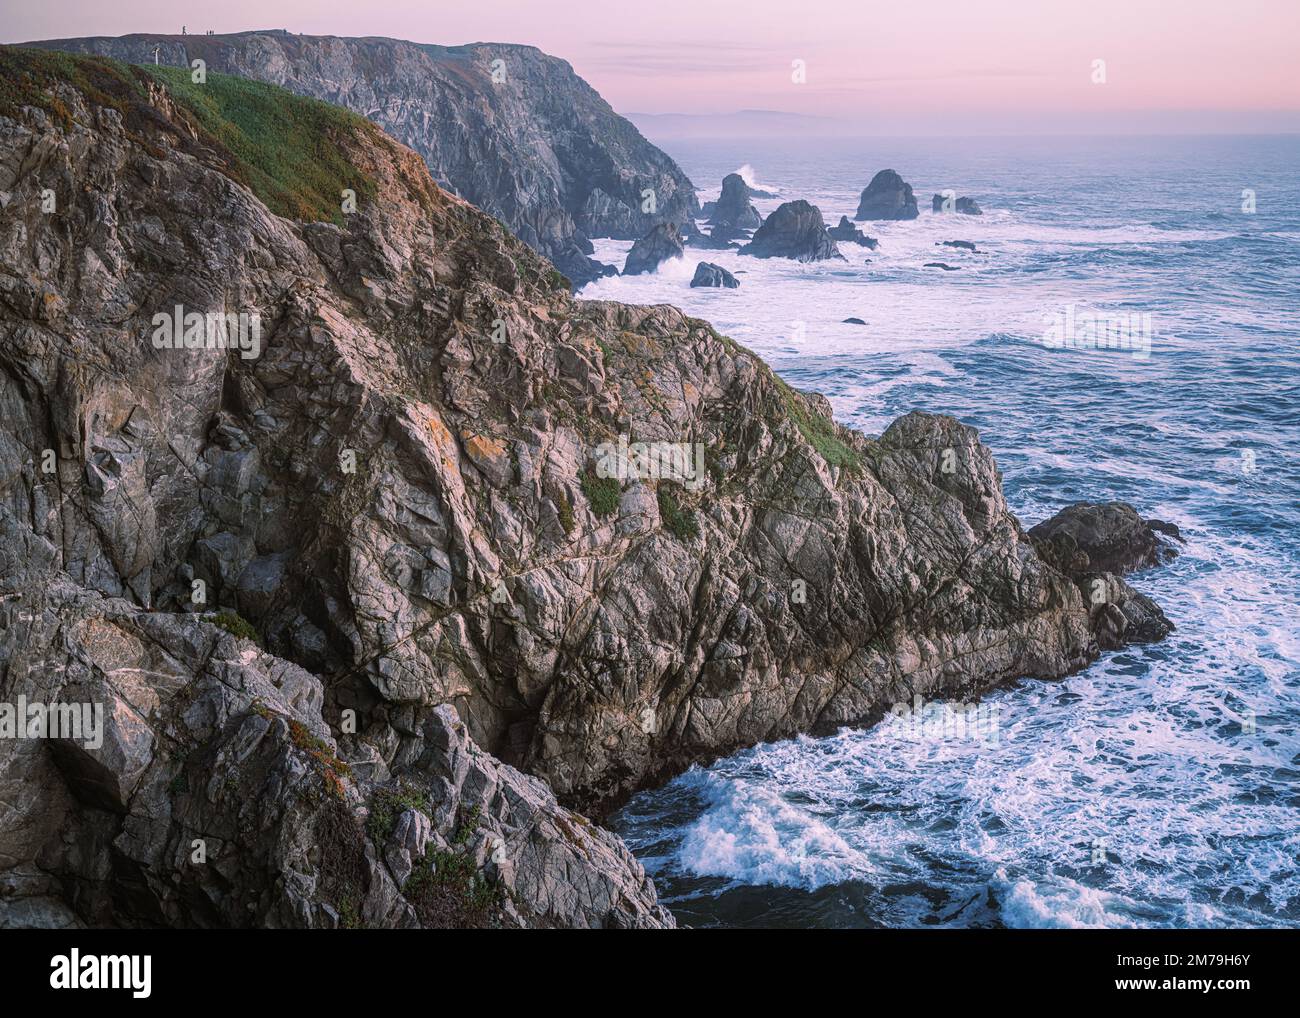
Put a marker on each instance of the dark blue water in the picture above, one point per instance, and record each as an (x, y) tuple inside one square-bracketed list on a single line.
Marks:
[(1159, 787)]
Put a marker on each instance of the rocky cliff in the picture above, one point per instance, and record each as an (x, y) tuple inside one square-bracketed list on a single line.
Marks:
[(509, 128), (145, 484), (430, 503)]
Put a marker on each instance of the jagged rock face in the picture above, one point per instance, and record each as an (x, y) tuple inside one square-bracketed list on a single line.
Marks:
[(966, 206), (795, 230), (403, 491), (171, 465), (888, 196), (708, 274), (733, 207), (218, 798), (849, 233), (652, 250), (526, 140)]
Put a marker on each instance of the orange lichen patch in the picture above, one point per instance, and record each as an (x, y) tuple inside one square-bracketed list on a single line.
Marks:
[(443, 442), (490, 455), (329, 766), (639, 345), (484, 448)]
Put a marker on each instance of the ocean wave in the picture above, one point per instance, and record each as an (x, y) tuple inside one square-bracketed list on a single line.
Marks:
[(750, 177)]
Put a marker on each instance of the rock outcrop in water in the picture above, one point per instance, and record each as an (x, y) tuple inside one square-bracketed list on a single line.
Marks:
[(656, 247), (309, 574), (1111, 536), (848, 233), (733, 207), (888, 196), (965, 206), (708, 274), (720, 238), (795, 230), (508, 128), (1095, 544)]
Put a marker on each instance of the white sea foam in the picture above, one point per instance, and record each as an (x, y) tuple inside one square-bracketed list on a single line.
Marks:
[(751, 834), (1136, 762), (904, 303), (748, 175)]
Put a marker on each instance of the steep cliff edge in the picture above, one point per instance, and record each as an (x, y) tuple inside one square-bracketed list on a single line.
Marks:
[(403, 485), (508, 128)]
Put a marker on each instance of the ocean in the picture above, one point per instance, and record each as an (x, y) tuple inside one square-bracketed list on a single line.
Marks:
[(1158, 788)]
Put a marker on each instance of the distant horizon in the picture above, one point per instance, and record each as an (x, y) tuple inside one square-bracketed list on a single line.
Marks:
[(1006, 68), (846, 131)]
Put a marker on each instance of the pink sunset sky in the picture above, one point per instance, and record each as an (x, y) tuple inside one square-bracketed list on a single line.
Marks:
[(943, 66)]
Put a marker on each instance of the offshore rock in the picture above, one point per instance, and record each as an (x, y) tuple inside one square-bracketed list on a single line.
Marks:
[(888, 196), (795, 230), (849, 233), (965, 206), (652, 250), (733, 206), (708, 274)]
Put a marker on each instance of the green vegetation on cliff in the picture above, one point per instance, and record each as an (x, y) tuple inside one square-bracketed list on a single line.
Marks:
[(291, 149), (288, 150)]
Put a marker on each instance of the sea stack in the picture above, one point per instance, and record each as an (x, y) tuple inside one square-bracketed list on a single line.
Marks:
[(652, 250), (708, 274), (733, 207), (888, 196), (849, 233), (795, 230), (966, 206)]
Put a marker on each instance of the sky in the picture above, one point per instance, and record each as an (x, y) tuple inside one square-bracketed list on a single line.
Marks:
[(940, 67)]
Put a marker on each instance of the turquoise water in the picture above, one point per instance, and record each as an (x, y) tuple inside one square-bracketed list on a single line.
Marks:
[(1159, 787)]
